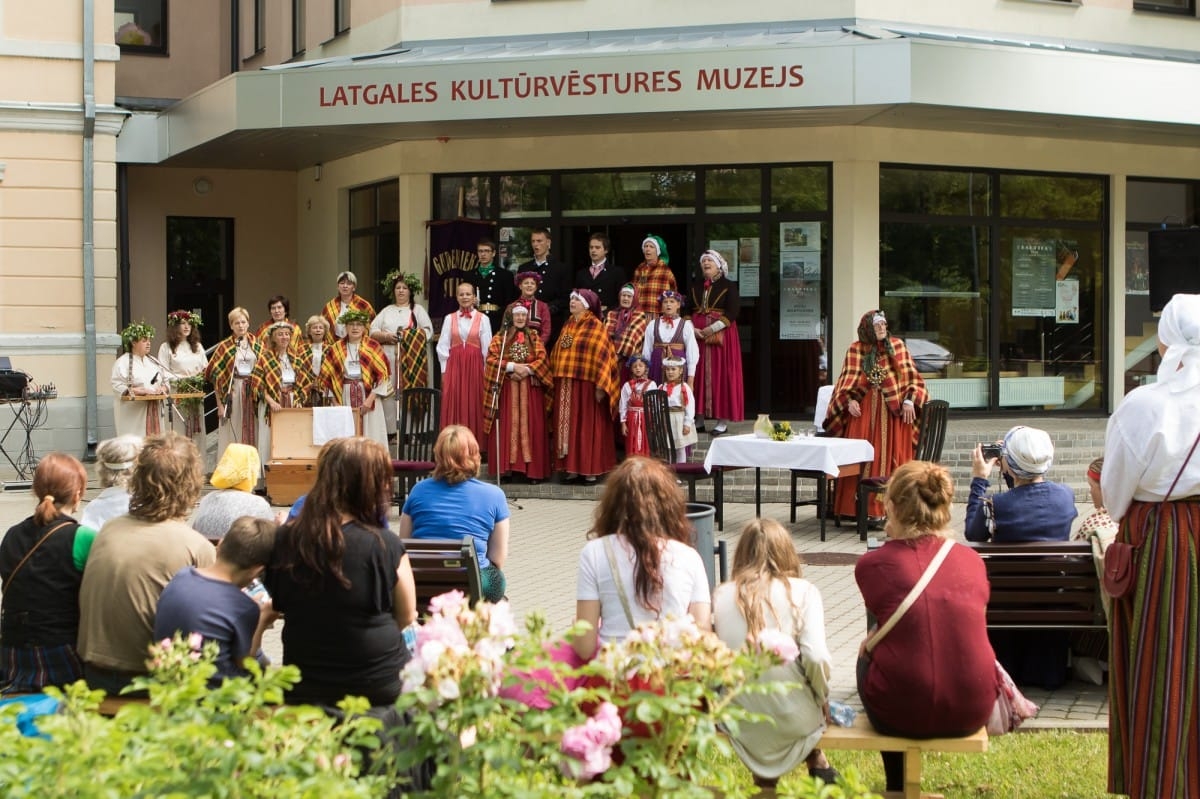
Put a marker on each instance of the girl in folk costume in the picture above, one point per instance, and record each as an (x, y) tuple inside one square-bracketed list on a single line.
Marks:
[(518, 383), (403, 329), (228, 372), (718, 381), (682, 406), (135, 374), (528, 284), (279, 310), (346, 300), (877, 398), (670, 336), (281, 379), (633, 411), (466, 336), (586, 392), (183, 356), (355, 373), (653, 276), (626, 328), (312, 352)]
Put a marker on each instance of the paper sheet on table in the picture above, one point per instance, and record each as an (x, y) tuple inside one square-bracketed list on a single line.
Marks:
[(331, 423)]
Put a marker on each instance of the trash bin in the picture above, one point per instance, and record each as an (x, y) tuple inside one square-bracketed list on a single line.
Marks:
[(702, 518)]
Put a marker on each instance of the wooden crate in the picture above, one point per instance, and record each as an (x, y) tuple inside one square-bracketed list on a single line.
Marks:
[(292, 469)]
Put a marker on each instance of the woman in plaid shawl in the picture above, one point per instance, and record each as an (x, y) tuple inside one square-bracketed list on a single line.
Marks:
[(520, 397), (586, 392), (877, 398), (228, 372), (281, 379), (626, 328), (355, 372), (346, 300), (403, 329), (653, 276)]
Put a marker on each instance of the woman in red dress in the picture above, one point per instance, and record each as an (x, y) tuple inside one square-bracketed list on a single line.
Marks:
[(718, 385), (466, 336), (518, 381)]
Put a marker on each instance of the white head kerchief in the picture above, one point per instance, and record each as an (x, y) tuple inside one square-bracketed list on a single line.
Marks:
[(1179, 330), (1028, 451), (717, 259)]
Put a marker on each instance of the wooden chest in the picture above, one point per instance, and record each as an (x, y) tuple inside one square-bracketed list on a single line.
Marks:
[(292, 469)]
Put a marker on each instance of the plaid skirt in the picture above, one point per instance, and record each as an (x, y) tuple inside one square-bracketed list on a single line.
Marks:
[(27, 669)]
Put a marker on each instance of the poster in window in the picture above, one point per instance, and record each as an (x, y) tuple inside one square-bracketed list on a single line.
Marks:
[(799, 280), (729, 251), (1033, 283), (1066, 305), (1137, 269), (748, 266)]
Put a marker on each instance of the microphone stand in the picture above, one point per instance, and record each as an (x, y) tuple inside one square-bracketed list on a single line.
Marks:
[(164, 369)]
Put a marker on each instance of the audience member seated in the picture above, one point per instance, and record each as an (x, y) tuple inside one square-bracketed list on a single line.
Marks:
[(41, 566), (115, 458), (454, 503), (1089, 648), (212, 601), (133, 559), (639, 565), (342, 582), (768, 593), (933, 674), (235, 477), (1032, 509)]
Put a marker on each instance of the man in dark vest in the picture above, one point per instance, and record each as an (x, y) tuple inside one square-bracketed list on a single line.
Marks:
[(493, 285), (555, 288)]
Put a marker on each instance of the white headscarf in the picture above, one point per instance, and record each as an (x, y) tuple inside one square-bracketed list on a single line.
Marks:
[(718, 260), (1179, 330), (1028, 451)]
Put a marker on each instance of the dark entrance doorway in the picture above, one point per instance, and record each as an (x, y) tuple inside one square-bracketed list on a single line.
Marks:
[(627, 238)]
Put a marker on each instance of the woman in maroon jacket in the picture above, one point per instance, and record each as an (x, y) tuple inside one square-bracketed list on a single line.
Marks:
[(933, 675)]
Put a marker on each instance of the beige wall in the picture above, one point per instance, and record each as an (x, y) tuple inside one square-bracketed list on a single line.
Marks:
[(198, 53), (265, 237)]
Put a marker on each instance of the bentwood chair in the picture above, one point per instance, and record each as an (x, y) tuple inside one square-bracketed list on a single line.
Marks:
[(416, 431), (662, 447), (930, 439)]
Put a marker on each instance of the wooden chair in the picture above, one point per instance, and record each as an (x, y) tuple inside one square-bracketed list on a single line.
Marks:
[(662, 447), (416, 431), (929, 448), (441, 565)]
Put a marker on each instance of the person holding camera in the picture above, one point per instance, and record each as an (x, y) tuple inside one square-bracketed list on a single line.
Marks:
[(1032, 509)]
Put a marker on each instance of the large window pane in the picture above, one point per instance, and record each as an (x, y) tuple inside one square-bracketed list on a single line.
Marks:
[(1052, 197), (601, 193), (524, 195), (141, 25), (799, 188), (934, 283), (467, 197), (733, 190), (374, 236), (931, 192)]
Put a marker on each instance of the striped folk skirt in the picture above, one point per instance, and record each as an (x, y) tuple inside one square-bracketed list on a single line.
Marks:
[(1154, 676)]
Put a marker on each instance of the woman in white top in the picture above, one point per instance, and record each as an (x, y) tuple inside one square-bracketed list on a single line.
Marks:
[(135, 374), (768, 593), (404, 330), (183, 356), (638, 567)]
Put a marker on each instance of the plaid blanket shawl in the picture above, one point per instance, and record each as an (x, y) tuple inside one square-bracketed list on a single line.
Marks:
[(894, 376), (626, 330), (412, 358), (267, 379), (651, 280), (219, 372), (584, 352), (333, 309), (522, 347), (370, 358)]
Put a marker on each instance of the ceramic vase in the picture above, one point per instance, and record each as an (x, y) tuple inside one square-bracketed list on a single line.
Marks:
[(763, 427)]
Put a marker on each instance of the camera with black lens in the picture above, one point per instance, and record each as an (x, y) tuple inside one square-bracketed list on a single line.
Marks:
[(991, 451)]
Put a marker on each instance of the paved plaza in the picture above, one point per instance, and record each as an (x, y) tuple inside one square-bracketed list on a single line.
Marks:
[(547, 535)]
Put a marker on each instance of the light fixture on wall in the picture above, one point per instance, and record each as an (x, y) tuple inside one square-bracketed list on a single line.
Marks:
[(317, 173), (202, 186)]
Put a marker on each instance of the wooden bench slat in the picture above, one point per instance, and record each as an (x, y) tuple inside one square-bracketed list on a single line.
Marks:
[(863, 737)]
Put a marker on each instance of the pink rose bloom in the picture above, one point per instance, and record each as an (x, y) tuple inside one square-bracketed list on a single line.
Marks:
[(591, 743), (780, 644), (447, 604)]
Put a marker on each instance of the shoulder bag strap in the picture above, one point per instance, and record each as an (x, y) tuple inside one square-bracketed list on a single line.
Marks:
[(610, 550), (33, 549), (1175, 482), (913, 595)]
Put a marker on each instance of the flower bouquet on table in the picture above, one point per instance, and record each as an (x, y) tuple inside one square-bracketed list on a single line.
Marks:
[(643, 718), (781, 431), (188, 385)]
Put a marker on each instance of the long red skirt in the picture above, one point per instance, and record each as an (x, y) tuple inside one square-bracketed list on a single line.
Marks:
[(462, 391), (583, 430), (523, 446), (893, 441), (1154, 674), (720, 390)]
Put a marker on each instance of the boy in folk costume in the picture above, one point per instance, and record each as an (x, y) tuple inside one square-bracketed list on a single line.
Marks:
[(682, 406), (670, 336), (633, 412)]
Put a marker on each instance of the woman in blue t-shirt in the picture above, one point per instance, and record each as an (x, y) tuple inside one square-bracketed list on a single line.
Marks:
[(453, 503)]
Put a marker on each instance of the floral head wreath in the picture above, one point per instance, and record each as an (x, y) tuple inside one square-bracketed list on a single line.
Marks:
[(136, 331), (354, 315), (179, 317), (407, 278)]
